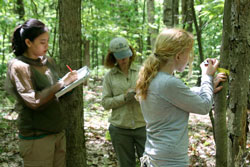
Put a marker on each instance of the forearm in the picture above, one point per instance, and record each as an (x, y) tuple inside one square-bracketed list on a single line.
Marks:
[(37, 99), (113, 102)]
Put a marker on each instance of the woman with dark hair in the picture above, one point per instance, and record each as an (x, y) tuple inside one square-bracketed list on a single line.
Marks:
[(127, 126), (33, 79)]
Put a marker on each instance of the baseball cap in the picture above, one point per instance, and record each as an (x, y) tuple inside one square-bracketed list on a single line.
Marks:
[(120, 48)]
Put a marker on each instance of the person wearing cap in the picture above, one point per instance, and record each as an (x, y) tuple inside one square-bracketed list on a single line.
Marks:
[(127, 125)]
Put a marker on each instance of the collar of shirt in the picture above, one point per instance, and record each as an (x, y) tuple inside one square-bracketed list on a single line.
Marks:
[(41, 61), (116, 69)]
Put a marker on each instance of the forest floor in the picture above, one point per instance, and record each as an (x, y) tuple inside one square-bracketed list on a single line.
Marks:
[(100, 152)]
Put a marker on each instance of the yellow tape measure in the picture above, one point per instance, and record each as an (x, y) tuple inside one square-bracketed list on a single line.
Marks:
[(223, 70)]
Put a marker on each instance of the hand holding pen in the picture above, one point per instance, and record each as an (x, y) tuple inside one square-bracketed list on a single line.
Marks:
[(69, 68), (70, 76)]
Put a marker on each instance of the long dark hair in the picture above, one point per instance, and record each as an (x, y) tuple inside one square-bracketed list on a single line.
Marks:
[(30, 29)]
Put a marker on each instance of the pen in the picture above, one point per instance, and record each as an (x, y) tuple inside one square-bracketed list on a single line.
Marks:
[(69, 68)]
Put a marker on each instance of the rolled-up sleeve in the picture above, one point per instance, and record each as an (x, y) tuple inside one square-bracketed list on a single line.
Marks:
[(20, 76)]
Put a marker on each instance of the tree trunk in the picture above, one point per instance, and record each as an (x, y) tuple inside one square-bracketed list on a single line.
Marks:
[(3, 49), (139, 32), (199, 39), (187, 19), (70, 53), (239, 54), (176, 12), (142, 32), (55, 34), (93, 53), (220, 123), (151, 21), (171, 12), (96, 54), (198, 33), (168, 18), (87, 53)]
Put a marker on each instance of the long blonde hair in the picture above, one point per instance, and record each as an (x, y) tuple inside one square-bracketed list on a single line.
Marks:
[(169, 42)]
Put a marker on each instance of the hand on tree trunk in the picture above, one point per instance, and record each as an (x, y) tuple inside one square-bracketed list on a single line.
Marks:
[(220, 77)]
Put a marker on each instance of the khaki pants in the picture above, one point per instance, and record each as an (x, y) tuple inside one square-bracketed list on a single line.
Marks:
[(48, 151)]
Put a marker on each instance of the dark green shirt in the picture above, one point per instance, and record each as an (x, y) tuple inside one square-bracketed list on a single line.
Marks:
[(31, 82)]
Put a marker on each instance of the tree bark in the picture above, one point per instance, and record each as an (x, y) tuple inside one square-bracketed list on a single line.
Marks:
[(141, 46), (176, 12), (199, 39), (3, 50), (198, 33), (220, 127), (93, 52), (151, 21), (96, 54), (55, 34), (87, 52), (70, 53), (139, 31), (187, 19), (239, 54), (171, 12), (168, 18)]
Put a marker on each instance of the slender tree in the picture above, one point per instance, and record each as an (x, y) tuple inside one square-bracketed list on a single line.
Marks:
[(198, 30), (151, 21), (187, 19), (220, 123), (3, 50), (171, 12), (175, 12), (168, 18), (53, 52), (198, 33), (87, 52), (70, 53)]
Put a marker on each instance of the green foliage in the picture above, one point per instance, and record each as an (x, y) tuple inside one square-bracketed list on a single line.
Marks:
[(102, 20), (211, 15), (107, 136)]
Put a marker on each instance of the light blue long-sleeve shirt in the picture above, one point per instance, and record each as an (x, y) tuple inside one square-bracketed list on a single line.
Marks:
[(166, 112)]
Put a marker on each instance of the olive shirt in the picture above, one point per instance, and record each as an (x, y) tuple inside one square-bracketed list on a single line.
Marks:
[(30, 81), (166, 111), (124, 114)]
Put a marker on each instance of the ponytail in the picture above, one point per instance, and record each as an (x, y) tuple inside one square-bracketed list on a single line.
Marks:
[(149, 70), (18, 44)]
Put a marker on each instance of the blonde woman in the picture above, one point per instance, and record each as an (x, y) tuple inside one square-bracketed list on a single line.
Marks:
[(166, 101), (127, 126)]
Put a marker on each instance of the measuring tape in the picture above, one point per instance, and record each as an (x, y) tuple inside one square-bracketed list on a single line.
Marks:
[(223, 70)]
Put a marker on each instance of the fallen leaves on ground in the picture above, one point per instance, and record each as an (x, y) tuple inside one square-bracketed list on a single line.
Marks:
[(100, 152)]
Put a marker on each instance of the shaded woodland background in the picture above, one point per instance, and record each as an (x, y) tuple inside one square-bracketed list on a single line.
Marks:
[(80, 31)]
